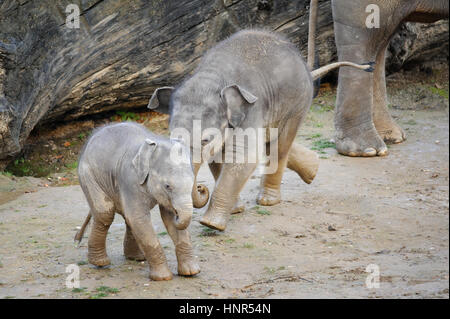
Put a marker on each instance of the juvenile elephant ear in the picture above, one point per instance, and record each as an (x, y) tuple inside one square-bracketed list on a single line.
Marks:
[(160, 99), (141, 161), (236, 100)]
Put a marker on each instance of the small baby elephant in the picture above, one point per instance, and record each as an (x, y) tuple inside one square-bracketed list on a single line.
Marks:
[(125, 169)]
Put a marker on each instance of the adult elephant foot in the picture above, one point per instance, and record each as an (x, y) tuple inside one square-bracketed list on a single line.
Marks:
[(269, 197), (360, 141), (388, 130), (214, 219)]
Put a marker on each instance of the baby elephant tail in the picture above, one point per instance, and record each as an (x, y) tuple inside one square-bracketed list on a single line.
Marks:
[(80, 233), (368, 67)]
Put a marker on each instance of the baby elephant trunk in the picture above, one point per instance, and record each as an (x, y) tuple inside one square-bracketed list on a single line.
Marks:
[(183, 213)]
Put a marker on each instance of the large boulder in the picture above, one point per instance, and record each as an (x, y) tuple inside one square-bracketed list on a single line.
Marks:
[(124, 49)]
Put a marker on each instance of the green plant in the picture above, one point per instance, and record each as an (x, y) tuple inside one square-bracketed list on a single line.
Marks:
[(322, 144), (261, 211), (127, 116), (441, 92), (163, 233)]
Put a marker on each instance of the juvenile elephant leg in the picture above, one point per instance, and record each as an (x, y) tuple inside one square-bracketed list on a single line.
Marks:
[(131, 248), (270, 183), (388, 130), (187, 266), (97, 239), (216, 168), (304, 162), (226, 193)]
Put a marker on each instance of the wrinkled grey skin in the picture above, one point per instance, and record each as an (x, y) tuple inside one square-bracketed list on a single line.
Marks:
[(252, 79), (126, 169), (362, 119)]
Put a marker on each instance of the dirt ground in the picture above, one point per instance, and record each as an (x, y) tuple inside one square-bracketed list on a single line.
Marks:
[(392, 212)]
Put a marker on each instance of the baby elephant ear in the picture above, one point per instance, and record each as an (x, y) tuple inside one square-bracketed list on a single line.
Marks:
[(141, 161), (236, 100), (160, 99)]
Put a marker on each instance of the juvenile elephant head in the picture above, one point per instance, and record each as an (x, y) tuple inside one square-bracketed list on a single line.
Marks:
[(164, 168), (202, 110)]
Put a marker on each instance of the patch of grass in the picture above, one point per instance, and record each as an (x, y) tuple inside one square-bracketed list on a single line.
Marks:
[(127, 116), (6, 173), (206, 232), (441, 92), (248, 246), (411, 122), (272, 270), (81, 136), (9, 297), (230, 240), (42, 206), (322, 144), (107, 289), (103, 291), (322, 108), (261, 211), (82, 262), (78, 290), (318, 125), (72, 165), (315, 136), (163, 233)]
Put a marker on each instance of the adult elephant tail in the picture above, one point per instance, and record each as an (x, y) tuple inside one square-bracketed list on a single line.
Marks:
[(313, 59)]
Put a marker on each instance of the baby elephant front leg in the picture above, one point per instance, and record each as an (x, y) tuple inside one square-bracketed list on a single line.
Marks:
[(187, 265), (142, 229)]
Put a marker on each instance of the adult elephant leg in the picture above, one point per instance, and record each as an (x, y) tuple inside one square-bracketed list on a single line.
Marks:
[(356, 134), (388, 130), (131, 249), (216, 168), (226, 193), (187, 265)]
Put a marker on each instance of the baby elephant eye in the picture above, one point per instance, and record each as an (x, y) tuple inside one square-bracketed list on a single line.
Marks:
[(167, 186)]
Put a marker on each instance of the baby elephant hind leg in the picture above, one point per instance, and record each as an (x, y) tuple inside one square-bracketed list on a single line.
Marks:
[(102, 210), (187, 265), (97, 239), (131, 248), (304, 162)]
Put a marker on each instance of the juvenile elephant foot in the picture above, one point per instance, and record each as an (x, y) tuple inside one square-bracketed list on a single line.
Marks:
[(269, 197), (390, 131), (138, 256), (214, 220), (360, 141), (160, 273), (99, 261), (239, 207)]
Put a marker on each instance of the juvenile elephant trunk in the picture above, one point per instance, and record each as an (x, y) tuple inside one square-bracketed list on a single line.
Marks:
[(200, 193)]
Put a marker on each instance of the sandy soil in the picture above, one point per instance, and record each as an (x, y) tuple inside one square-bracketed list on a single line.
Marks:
[(392, 212)]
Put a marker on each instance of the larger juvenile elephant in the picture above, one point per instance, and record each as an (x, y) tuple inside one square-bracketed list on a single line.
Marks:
[(362, 120), (252, 80)]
